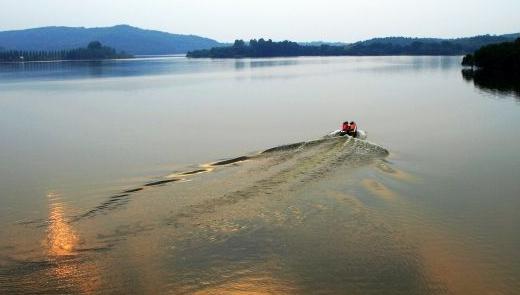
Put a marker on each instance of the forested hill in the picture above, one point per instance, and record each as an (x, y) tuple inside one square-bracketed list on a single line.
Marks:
[(378, 46), (443, 46), (122, 37)]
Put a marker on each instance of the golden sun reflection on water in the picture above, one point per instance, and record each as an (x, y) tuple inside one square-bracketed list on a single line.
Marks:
[(250, 285), (69, 271), (61, 238)]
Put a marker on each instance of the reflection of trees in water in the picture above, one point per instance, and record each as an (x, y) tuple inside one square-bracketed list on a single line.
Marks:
[(504, 83), (58, 68), (242, 64)]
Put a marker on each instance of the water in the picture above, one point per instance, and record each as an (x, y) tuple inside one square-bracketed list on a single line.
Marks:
[(111, 182)]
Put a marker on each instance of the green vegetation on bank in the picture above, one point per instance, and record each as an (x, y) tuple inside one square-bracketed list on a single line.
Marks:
[(373, 47), (94, 51), (504, 57)]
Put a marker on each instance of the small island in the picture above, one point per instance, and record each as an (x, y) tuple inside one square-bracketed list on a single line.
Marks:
[(266, 48), (496, 57), (94, 51)]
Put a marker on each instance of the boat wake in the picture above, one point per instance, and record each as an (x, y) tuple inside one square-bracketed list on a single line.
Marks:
[(306, 160), (198, 209)]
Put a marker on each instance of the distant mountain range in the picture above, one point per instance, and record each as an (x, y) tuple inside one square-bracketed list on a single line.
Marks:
[(474, 42), (425, 46), (149, 42), (122, 37)]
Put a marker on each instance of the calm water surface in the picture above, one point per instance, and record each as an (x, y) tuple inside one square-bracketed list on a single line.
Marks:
[(110, 180)]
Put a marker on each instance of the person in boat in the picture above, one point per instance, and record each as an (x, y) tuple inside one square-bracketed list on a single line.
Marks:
[(348, 129), (353, 129), (345, 128)]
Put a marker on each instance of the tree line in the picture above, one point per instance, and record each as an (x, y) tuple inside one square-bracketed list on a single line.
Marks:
[(503, 56), (266, 48), (94, 51), (269, 48)]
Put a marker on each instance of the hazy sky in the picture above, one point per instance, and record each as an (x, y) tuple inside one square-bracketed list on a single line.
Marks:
[(300, 20)]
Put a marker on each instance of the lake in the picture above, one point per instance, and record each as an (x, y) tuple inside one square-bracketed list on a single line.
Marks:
[(170, 175)]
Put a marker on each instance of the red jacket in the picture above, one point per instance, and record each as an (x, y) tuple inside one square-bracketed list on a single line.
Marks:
[(345, 127)]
